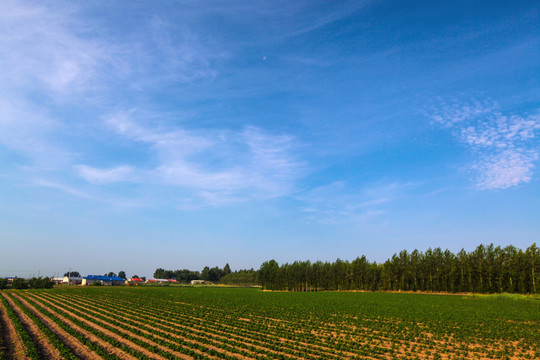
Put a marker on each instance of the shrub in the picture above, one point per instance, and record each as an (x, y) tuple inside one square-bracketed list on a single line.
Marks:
[(41, 283), (19, 283)]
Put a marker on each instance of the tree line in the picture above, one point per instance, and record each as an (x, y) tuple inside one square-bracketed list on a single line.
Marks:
[(33, 283), (241, 278), (214, 275), (487, 269), (184, 276)]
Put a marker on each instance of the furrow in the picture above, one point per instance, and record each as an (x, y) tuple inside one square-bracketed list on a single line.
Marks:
[(172, 332), (45, 347), (78, 349), (249, 333), (30, 349), (107, 346), (12, 341), (135, 341), (285, 343)]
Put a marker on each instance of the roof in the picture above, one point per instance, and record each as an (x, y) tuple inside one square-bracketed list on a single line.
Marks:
[(104, 278)]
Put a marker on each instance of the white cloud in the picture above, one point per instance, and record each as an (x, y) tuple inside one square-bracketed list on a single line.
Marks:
[(220, 166), (47, 50), (103, 176), (64, 188), (47, 63), (506, 168), (454, 114), (504, 146), (181, 52), (25, 128), (336, 203), (77, 192)]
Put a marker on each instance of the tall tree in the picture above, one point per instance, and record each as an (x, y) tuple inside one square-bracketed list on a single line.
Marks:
[(72, 274)]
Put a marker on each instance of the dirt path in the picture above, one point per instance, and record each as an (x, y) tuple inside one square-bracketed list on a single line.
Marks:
[(113, 335), (14, 344), (93, 338), (71, 342), (44, 346)]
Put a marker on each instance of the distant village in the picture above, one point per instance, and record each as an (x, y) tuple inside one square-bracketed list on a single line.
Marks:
[(112, 281), (161, 277)]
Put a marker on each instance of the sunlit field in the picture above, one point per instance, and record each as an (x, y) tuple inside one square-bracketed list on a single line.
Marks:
[(240, 323)]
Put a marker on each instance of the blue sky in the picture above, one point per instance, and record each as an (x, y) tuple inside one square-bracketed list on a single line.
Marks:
[(183, 134)]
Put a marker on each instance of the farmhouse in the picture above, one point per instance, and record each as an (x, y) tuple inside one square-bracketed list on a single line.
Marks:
[(104, 280), (200, 282), (73, 280), (134, 281)]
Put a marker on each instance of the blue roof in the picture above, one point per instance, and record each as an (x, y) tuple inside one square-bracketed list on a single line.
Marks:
[(104, 278)]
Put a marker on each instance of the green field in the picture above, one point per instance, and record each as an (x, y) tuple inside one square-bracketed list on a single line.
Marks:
[(239, 323)]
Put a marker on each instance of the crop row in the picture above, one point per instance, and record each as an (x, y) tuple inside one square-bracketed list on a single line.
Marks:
[(223, 327), (213, 334), (388, 340), (192, 324)]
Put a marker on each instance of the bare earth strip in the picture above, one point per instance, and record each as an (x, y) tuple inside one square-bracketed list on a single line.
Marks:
[(211, 337), (172, 324), (71, 342), (43, 344), (12, 340), (172, 333), (117, 337), (382, 341), (142, 338), (270, 337), (105, 345)]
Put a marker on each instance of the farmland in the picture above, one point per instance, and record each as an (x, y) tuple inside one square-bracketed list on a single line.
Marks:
[(234, 323)]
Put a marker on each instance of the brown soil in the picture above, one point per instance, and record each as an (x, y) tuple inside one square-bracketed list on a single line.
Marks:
[(118, 337), (180, 355), (401, 348), (14, 344), (213, 337), (105, 345), (245, 342), (44, 346), (71, 342)]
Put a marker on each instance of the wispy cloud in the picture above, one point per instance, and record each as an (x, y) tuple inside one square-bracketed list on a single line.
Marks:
[(103, 176), (47, 64), (65, 188), (87, 195), (221, 166), (48, 49), (504, 146), (183, 55), (26, 128), (449, 115), (339, 203)]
